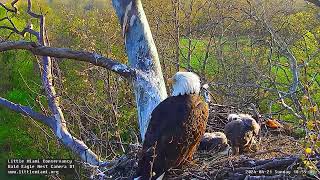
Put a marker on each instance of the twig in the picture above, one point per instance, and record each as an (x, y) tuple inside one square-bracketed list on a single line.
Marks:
[(264, 152)]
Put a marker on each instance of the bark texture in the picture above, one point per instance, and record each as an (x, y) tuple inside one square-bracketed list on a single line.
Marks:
[(149, 86)]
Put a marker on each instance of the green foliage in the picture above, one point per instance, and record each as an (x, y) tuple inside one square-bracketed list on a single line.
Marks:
[(17, 141), (128, 123), (197, 56)]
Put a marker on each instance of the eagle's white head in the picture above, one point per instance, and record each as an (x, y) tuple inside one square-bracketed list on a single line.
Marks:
[(185, 83)]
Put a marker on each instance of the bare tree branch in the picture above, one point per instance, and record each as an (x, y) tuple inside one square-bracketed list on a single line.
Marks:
[(13, 6), (14, 29), (60, 129), (27, 111), (22, 33), (67, 139), (57, 122), (92, 58), (285, 50), (315, 2)]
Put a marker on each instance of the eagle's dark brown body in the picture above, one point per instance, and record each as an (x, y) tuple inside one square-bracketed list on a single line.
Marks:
[(174, 132)]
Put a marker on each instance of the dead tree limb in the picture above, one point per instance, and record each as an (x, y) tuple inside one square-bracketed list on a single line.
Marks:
[(315, 2), (285, 50), (276, 163), (27, 111), (56, 121), (90, 57), (13, 3)]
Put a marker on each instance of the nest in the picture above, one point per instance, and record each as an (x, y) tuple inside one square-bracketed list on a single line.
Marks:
[(276, 157)]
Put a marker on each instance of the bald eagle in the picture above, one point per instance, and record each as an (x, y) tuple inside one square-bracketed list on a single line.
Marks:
[(175, 129)]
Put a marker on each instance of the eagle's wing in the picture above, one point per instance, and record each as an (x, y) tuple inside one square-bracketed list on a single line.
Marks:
[(166, 142)]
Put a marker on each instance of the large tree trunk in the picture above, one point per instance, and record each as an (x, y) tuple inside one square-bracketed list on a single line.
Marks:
[(148, 84)]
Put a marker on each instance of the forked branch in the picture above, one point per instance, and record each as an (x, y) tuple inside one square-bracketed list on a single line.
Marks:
[(56, 121)]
